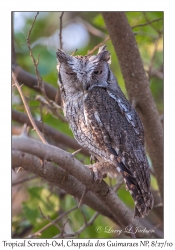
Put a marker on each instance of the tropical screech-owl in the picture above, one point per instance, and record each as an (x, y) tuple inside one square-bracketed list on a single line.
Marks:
[(103, 121)]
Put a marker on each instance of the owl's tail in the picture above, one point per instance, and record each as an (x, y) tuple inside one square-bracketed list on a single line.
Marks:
[(140, 192), (138, 184)]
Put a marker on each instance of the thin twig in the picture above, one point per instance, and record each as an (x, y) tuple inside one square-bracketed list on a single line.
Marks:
[(60, 35), (145, 34), (62, 230), (25, 130), (41, 117), (150, 22), (48, 218), (53, 135), (81, 200), (24, 180), (84, 217), (119, 183), (98, 46), (74, 52), (52, 107), (45, 102), (144, 24), (159, 205), (131, 232), (91, 29), (31, 81), (35, 63), (61, 46), (76, 152), (155, 73), (78, 232), (52, 222), (19, 169), (41, 213), (28, 110)]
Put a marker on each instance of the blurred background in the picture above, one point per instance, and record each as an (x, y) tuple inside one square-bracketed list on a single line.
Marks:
[(81, 32)]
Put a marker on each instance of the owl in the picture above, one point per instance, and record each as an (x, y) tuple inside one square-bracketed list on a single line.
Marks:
[(103, 121)]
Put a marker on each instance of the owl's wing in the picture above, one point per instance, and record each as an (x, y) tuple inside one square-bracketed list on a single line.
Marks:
[(129, 113), (116, 127)]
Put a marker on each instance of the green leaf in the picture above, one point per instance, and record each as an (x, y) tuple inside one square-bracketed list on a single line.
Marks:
[(125, 196), (98, 21), (39, 198)]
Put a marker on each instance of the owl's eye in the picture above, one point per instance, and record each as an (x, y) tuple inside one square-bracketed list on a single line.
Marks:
[(97, 72), (70, 73)]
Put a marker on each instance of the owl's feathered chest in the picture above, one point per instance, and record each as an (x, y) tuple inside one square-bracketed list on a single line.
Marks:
[(78, 116), (97, 122), (73, 107)]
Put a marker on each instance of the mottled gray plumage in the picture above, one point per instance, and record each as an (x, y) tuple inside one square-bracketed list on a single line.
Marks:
[(103, 121)]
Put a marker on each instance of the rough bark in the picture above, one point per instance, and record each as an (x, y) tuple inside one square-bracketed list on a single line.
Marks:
[(58, 177), (52, 133), (31, 81), (137, 86), (65, 160)]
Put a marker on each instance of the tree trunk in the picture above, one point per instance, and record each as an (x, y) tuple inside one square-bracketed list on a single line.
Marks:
[(137, 86)]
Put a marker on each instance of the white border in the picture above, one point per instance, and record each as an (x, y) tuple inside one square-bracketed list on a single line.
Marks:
[(5, 97)]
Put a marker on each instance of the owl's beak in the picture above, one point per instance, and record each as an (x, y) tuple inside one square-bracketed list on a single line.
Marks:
[(85, 86)]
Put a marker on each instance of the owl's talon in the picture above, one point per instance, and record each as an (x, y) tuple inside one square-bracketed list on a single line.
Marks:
[(93, 158), (98, 174)]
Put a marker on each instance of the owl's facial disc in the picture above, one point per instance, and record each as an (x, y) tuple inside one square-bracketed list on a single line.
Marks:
[(94, 76)]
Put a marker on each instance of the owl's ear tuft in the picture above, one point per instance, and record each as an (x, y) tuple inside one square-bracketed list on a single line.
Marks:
[(102, 48), (62, 57), (104, 54)]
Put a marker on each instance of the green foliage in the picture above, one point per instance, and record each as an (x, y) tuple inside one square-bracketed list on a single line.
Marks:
[(98, 21), (41, 201), (125, 196), (154, 184), (146, 37)]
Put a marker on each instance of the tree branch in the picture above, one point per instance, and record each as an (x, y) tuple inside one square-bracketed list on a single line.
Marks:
[(31, 81), (28, 110), (51, 223), (56, 135), (52, 108), (60, 35), (98, 46), (155, 73), (35, 63), (91, 29), (151, 23), (65, 160), (148, 23), (137, 86), (23, 180), (79, 231), (59, 178)]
